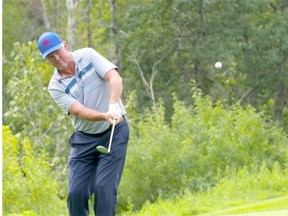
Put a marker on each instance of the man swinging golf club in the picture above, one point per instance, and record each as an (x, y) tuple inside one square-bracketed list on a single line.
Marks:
[(88, 88)]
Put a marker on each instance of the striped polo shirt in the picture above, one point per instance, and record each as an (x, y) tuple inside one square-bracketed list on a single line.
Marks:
[(87, 86)]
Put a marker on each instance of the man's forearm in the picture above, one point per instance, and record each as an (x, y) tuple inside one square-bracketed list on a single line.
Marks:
[(115, 86), (83, 112)]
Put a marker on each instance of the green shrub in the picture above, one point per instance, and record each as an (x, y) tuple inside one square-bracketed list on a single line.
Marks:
[(197, 149), (29, 186), (249, 190), (32, 113)]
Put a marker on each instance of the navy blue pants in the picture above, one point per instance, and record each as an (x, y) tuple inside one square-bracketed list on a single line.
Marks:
[(91, 172)]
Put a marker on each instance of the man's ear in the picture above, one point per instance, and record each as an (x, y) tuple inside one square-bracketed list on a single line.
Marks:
[(65, 45)]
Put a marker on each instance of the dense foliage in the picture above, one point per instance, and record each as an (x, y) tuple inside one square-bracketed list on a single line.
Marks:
[(203, 143), (206, 147), (162, 45), (29, 185), (31, 112), (194, 129)]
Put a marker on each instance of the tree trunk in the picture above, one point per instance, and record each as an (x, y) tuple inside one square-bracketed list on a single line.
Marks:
[(71, 24), (45, 15), (88, 22), (114, 31), (252, 76), (282, 90), (281, 94)]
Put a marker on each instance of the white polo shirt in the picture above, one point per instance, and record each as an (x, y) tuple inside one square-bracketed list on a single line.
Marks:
[(87, 86)]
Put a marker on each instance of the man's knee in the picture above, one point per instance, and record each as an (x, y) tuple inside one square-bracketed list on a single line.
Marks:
[(105, 189), (78, 194)]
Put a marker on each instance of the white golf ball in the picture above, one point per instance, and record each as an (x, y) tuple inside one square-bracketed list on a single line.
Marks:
[(218, 65)]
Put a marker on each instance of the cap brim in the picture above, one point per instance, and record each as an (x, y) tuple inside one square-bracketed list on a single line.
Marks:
[(52, 49)]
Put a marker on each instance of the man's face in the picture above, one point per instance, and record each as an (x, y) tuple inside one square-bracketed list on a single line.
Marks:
[(59, 58)]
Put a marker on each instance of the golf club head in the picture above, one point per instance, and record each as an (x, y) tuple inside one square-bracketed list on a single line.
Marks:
[(102, 149)]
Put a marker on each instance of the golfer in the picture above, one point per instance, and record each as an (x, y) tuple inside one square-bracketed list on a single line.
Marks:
[(88, 87)]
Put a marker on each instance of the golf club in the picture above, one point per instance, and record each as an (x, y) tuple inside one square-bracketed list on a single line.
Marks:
[(102, 149)]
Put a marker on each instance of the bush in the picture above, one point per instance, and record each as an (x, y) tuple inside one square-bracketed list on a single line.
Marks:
[(249, 190), (29, 186), (196, 150), (32, 113)]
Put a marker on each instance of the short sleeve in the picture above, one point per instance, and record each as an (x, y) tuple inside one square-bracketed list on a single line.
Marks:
[(101, 64), (63, 100)]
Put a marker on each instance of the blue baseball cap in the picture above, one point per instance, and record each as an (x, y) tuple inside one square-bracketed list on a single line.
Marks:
[(48, 43)]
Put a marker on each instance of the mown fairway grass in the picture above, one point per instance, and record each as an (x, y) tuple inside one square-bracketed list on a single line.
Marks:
[(265, 207), (271, 207)]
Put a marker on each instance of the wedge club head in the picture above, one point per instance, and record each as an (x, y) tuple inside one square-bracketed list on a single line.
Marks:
[(104, 150)]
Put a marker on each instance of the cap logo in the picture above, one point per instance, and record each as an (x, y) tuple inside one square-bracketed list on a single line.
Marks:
[(46, 42)]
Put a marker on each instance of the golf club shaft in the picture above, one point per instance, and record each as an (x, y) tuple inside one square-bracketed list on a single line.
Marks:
[(111, 136)]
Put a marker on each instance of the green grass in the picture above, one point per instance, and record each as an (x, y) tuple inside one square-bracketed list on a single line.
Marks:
[(246, 191), (184, 207), (266, 205)]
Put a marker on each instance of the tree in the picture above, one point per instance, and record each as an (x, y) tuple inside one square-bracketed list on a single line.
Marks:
[(32, 113), (194, 35)]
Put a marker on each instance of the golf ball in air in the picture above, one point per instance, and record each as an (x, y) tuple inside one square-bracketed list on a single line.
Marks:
[(218, 65)]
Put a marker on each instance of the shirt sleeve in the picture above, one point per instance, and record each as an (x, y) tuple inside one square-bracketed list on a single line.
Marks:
[(63, 100), (101, 64)]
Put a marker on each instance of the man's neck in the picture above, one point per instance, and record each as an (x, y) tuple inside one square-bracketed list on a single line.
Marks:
[(69, 71)]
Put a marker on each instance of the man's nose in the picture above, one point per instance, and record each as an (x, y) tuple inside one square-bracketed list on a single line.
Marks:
[(56, 56)]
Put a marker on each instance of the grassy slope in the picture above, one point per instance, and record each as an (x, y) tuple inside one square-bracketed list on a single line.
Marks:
[(183, 208), (247, 191), (266, 205)]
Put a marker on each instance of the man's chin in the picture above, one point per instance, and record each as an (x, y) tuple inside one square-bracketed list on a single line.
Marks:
[(61, 67)]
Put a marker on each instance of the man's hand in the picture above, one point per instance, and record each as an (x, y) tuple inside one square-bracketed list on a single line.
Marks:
[(80, 111), (115, 109), (111, 117)]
